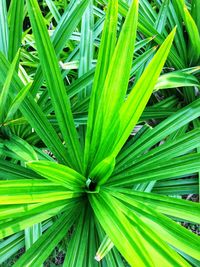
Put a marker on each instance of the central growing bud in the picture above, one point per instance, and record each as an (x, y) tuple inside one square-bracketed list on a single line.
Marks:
[(100, 174), (91, 185)]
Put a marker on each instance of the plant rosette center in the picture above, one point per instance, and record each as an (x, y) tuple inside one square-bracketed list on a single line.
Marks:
[(100, 174), (92, 186)]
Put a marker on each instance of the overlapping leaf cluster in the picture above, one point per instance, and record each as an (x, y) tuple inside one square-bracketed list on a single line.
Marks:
[(99, 131)]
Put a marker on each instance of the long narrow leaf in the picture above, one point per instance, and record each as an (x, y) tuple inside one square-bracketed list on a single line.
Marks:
[(41, 249), (15, 18), (3, 28), (106, 51), (5, 91), (34, 114), (55, 84), (58, 173)]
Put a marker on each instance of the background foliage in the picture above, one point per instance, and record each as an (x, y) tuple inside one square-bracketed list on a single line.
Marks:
[(99, 133)]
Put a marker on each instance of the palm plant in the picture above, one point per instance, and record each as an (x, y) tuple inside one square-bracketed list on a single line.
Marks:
[(104, 191)]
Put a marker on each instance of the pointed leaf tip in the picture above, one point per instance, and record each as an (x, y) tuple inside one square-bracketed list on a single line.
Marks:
[(97, 258)]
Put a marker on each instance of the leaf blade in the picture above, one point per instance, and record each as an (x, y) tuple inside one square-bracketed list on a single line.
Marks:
[(55, 84)]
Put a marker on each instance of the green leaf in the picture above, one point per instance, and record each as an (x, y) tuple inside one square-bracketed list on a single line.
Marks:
[(176, 79), (141, 60), (161, 131), (34, 114), (195, 9), (138, 98), (132, 108), (191, 29), (32, 234), (130, 241), (158, 249), (169, 150), (86, 43), (55, 84), (62, 33), (21, 148), (102, 171), (162, 16), (5, 90), (3, 28), (176, 187), (19, 212), (113, 258), (15, 19), (86, 55), (147, 29), (52, 7), (104, 248), (10, 246), (42, 248), (179, 40), (15, 104), (114, 90), (78, 252), (171, 232), (67, 23), (180, 166), (190, 259), (31, 215), (86, 79), (177, 208), (59, 173), (33, 191), (9, 171), (106, 51), (118, 228)]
